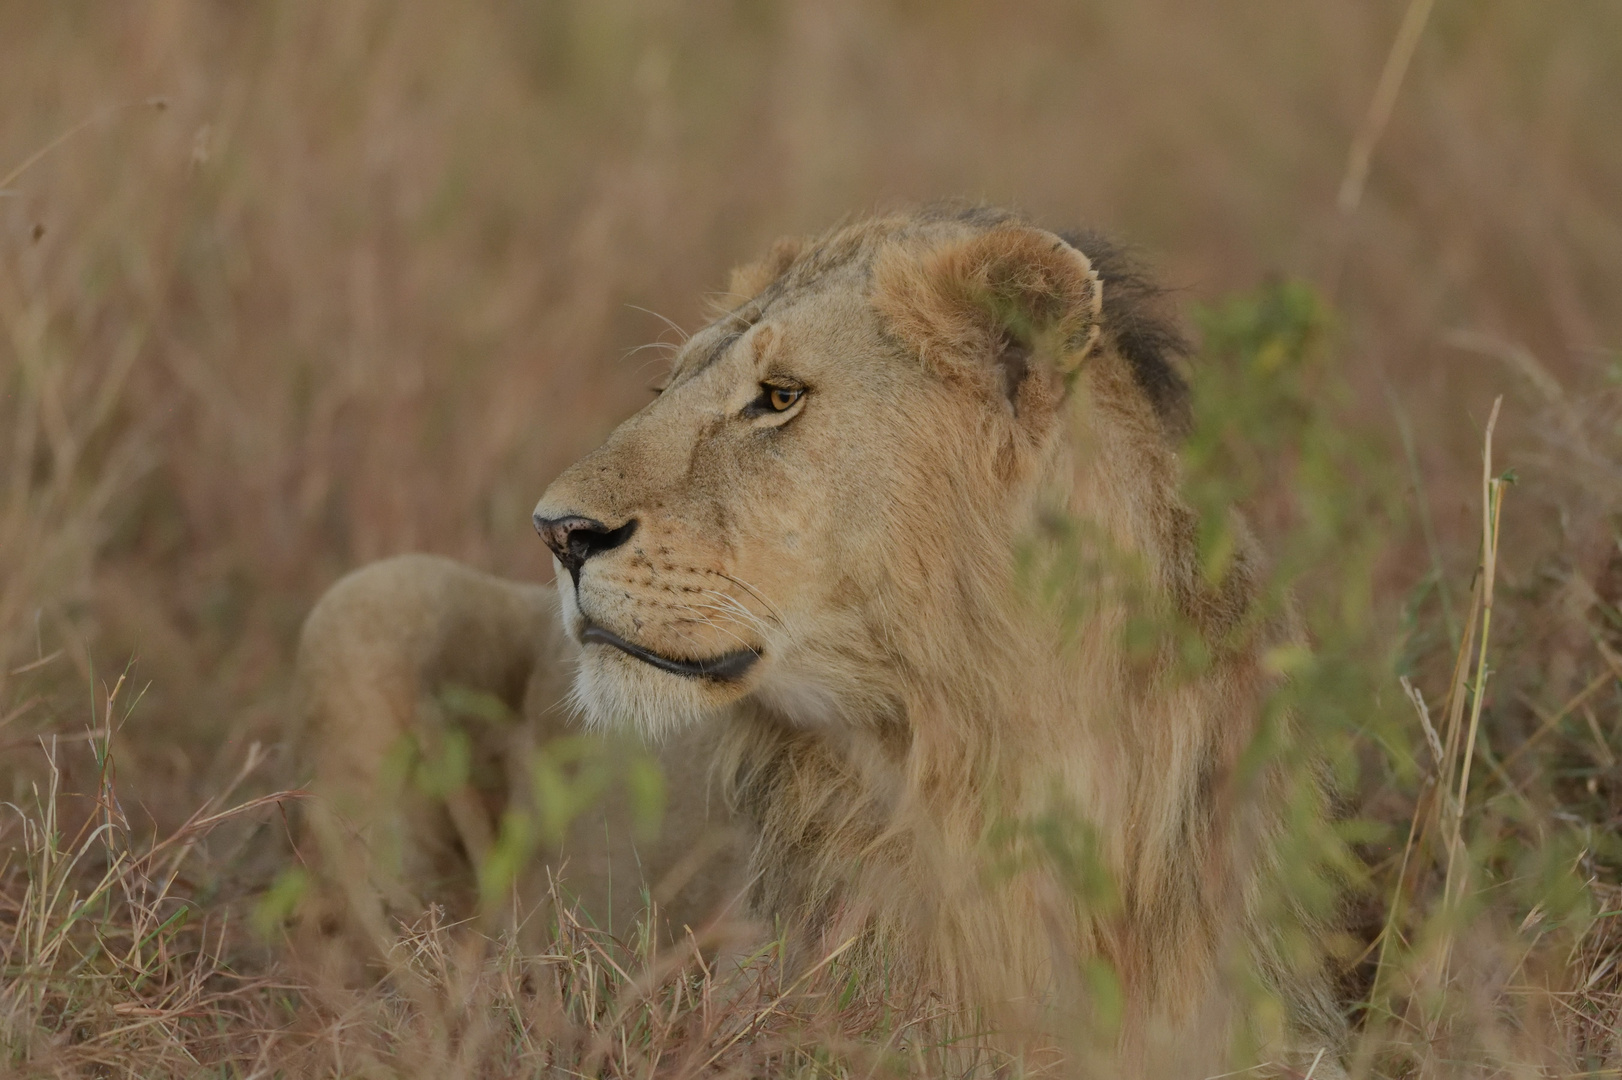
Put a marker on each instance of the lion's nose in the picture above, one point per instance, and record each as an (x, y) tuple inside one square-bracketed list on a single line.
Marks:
[(575, 539)]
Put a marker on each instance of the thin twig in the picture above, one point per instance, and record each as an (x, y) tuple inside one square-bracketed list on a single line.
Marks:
[(1492, 498), (1384, 101), (100, 114)]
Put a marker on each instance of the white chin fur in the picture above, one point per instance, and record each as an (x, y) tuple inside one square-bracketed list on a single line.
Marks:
[(615, 692)]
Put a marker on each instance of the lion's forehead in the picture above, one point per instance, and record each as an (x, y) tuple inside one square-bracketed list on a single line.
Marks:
[(825, 292), (831, 321)]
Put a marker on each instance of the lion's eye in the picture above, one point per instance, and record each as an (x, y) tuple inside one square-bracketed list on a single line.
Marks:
[(782, 398), (776, 400)]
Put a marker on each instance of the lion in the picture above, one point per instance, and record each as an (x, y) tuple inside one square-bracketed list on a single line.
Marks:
[(813, 553)]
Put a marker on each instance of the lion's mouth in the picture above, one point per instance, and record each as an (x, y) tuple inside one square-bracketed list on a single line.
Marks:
[(726, 667)]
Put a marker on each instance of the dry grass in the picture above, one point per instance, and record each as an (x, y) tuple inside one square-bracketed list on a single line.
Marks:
[(115, 965), (372, 275)]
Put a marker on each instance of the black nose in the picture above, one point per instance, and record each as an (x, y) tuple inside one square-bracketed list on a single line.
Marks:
[(575, 539)]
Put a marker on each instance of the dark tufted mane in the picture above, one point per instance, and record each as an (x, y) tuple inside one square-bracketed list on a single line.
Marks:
[(1134, 315), (1134, 310)]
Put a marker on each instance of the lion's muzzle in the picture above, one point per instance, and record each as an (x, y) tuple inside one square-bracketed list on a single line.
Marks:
[(576, 538)]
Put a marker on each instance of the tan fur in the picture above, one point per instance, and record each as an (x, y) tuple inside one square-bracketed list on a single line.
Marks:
[(923, 733), (750, 278), (375, 656)]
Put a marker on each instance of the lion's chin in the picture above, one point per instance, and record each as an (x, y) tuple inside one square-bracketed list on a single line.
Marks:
[(725, 667), (615, 691)]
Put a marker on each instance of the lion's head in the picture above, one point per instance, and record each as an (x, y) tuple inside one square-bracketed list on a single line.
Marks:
[(835, 474)]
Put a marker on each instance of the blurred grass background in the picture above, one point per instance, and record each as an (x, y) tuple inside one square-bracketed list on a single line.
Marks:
[(373, 273)]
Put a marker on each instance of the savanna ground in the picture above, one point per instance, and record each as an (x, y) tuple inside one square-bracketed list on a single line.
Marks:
[(287, 288)]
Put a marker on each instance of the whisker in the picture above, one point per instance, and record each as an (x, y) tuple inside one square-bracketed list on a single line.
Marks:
[(670, 345), (731, 605), (662, 318), (701, 621), (747, 620), (721, 303), (756, 593), (699, 609), (742, 318)]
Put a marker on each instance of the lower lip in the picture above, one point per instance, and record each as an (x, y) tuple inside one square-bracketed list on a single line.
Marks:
[(726, 668)]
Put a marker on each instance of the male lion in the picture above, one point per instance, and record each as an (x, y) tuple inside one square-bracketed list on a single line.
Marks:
[(814, 547)]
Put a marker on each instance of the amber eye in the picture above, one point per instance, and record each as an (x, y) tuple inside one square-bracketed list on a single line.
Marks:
[(782, 398)]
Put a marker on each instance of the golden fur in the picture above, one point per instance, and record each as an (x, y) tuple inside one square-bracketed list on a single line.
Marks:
[(990, 794), (377, 657)]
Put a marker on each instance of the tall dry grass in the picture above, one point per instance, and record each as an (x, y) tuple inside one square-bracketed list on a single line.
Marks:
[(293, 287)]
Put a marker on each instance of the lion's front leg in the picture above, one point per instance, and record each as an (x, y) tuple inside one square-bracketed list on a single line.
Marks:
[(406, 790), (446, 767)]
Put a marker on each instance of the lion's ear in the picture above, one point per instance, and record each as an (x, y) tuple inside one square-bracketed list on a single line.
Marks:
[(750, 279), (1017, 297)]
